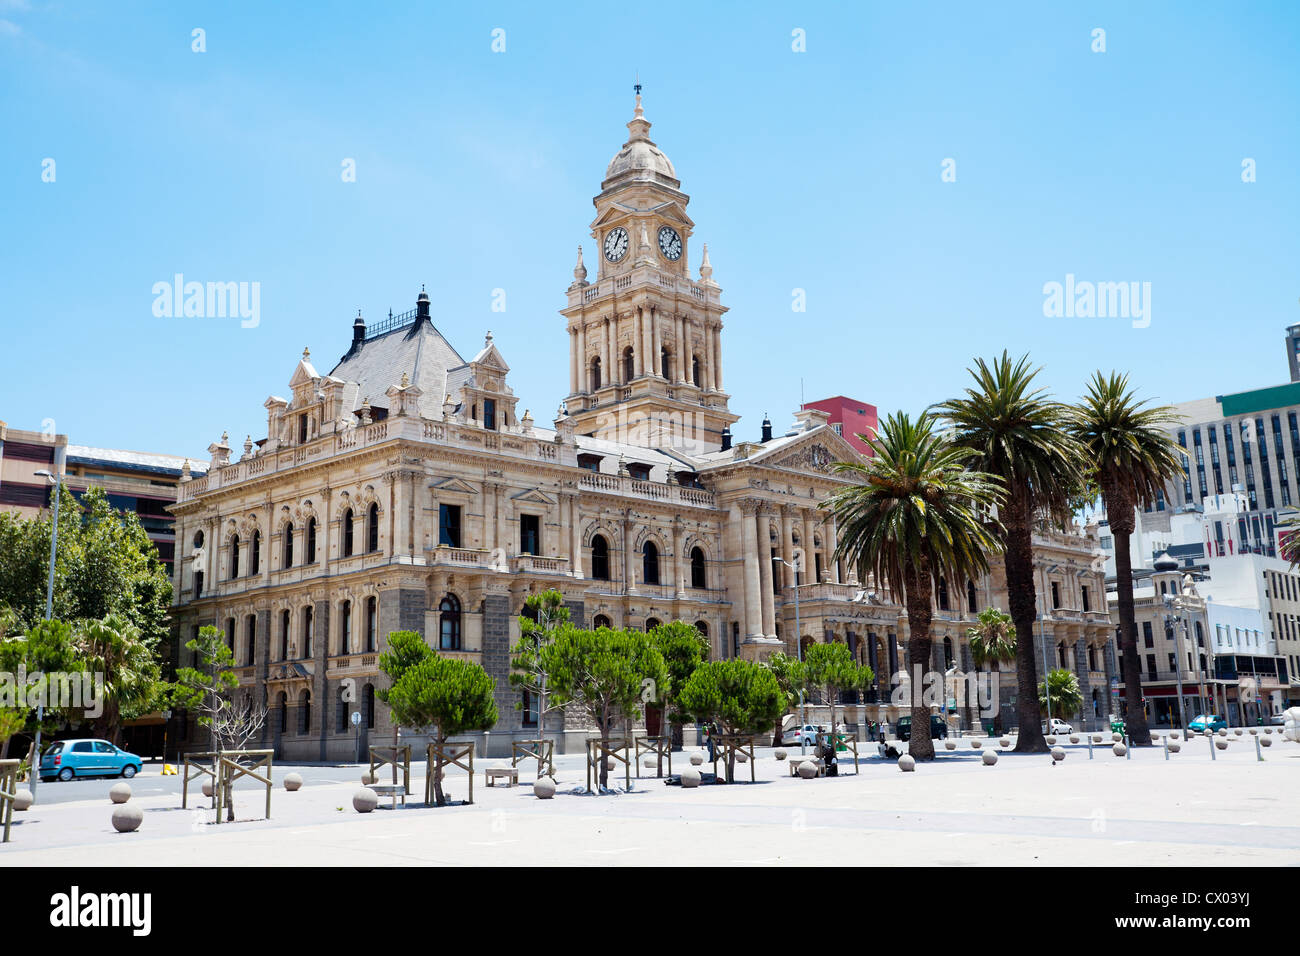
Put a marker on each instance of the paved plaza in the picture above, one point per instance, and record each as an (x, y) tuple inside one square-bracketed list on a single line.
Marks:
[(1107, 811)]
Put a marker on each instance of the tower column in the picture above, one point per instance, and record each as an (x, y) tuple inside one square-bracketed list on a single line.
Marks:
[(638, 343), (753, 586), (656, 345), (710, 358), (717, 357), (573, 361), (607, 373), (682, 373), (584, 381), (764, 548)]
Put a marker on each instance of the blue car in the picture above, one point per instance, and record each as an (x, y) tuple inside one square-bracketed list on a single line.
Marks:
[(1214, 723), (66, 759)]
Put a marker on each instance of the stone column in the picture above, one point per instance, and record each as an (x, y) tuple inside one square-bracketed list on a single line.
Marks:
[(607, 373), (764, 547), (417, 516), (833, 566), (656, 345), (710, 357), (683, 360), (638, 343), (489, 516), (265, 556), (787, 545), (809, 548), (573, 361), (629, 579), (575, 533), (753, 585), (584, 379), (717, 357), (678, 565)]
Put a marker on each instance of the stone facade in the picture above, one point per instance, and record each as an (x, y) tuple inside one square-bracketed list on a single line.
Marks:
[(403, 491)]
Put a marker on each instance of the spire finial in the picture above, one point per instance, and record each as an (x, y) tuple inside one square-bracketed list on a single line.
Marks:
[(637, 88), (306, 354), (580, 270)]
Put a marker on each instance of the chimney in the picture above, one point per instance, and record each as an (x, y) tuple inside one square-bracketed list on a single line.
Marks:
[(422, 308), (726, 438), (767, 428)]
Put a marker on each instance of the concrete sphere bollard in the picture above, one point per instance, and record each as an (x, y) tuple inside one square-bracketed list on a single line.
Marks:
[(690, 778), (23, 799), (610, 763), (649, 763), (1221, 744), (1004, 742), (1266, 741), (544, 788), (1237, 732), (1155, 737), (364, 800), (907, 763), (1074, 738), (990, 757), (1058, 754), (1174, 746), (127, 817), (120, 792), (368, 778), (1223, 731), (1254, 732), (974, 744), (697, 758), (742, 758), (780, 755), (292, 781), (807, 770), (1116, 738), (1051, 740), (950, 744), (1173, 735), (207, 788), (1119, 750)]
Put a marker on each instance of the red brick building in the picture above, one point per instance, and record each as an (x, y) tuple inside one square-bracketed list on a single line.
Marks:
[(849, 418)]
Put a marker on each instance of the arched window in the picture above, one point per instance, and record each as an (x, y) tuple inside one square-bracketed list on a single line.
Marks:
[(943, 594), (650, 563), (971, 602), (234, 556), (198, 538), (947, 652), (449, 624), (304, 712), (230, 634), (345, 627), (198, 575), (599, 558), (1060, 655), (250, 639), (703, 628), (311, 540), (368, 706), (283, 707), (599, 621), (651, 623), (284, 635), (695, 370), (288, 545), (697, 568), (629, 364), (665, 363), (372, 529), (255, 553), (307, 630), (372, 613), (347, 533), (595, 373), (341, 713)]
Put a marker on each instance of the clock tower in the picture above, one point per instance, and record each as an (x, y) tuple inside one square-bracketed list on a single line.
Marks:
[(645, 363)]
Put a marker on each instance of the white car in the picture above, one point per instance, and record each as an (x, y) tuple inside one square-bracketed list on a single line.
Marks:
[(795, 735), (1058, 728)]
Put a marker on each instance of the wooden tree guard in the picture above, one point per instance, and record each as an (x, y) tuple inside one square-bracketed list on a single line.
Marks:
[(543, 750), (850, 742), (452, 754), (661, 747), (617, 750), (195, 768), (8, 793), (728, 744), (229, 769), (388, 755)]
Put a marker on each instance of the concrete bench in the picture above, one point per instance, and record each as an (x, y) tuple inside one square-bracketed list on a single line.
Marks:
[(509, 774), (392, 790)]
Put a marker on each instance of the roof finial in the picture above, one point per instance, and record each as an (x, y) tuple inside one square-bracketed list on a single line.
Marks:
[(580, 270), (306, 354), (639, 112)]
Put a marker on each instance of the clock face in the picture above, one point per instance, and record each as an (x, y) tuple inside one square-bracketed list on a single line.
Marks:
[(670, 244), (616, 244)]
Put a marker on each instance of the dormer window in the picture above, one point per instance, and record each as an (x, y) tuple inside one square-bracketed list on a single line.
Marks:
[(639, 471), (589, 462), (302, 428), (490, 414)]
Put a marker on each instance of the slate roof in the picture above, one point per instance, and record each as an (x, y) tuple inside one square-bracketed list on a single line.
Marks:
[(418, 350)]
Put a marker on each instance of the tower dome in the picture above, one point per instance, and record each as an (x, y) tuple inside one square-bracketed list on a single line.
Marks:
[(640, 158)]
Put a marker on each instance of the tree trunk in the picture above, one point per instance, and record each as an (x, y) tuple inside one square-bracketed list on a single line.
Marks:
[(438, 798), (917, 587), (1135, 720), (1019, 563)]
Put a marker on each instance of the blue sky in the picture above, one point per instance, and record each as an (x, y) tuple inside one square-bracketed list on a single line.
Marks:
[(818, 171)]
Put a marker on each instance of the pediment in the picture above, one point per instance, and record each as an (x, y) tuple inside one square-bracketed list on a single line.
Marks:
[(814, 453), (453, 484), (304, 374), (490, 357), (534, 496)]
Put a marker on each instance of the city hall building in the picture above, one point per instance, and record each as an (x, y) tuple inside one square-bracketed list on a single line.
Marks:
[(403, 489)]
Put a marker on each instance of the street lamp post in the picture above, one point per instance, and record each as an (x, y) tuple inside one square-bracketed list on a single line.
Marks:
[(798, 644), (49, 614), (1047, 671), (1171, 620)]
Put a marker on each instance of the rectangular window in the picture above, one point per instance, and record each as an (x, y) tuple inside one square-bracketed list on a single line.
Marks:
[(530, 534), (490, 413), (1086, 605), (449, 525), (1146, 634), (1056, 595), (530, 709)]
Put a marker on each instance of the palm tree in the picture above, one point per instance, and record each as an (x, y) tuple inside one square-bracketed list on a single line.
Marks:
[(915, 512), (1133, 456), (992, 640), (1023, 437), (1066, 696), (114, 648)]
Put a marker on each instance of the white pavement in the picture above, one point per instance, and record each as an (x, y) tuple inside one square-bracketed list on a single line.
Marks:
[(1108, 811)]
